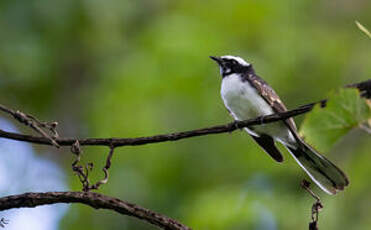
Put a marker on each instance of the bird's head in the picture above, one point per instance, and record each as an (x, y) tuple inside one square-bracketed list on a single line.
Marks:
[(231, 64)]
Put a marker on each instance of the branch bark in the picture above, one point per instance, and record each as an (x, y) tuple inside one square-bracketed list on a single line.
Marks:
[(117, 142), (363, 87), (35, 124), (95, 200)]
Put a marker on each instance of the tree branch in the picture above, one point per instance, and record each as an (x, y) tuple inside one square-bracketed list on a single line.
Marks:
[(364, 87), (316, 207), (95, 200), (117, 142), (35, 124)]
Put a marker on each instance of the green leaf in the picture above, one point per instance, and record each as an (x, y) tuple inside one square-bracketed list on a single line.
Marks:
[(345, 110)]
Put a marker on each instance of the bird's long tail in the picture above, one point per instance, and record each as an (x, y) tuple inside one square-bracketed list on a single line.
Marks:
[(322, 171)]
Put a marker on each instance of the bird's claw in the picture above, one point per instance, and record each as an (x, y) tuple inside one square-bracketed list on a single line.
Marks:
[(237, 126)]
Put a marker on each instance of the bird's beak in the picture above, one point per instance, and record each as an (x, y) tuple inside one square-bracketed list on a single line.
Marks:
[(217, 59)]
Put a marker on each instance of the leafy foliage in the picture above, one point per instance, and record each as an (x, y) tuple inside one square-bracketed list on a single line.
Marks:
[(345, 110)]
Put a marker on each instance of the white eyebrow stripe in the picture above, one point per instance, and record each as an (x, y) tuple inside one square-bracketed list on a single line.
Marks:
[(239, 59)]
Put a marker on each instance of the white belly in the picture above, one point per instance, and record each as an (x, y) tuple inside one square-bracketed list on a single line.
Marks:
[(244, 102)]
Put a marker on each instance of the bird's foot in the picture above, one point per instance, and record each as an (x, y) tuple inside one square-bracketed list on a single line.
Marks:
[(261, 120), (237, 125)]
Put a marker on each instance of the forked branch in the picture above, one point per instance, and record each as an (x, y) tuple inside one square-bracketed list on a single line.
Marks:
[(117, 142), (96, 200), (364, 87)]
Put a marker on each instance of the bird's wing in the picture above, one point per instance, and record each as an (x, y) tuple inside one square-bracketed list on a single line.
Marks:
[(271, 97), (267, 143)]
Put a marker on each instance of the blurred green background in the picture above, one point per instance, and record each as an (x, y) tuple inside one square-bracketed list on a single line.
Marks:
[(140, 67)]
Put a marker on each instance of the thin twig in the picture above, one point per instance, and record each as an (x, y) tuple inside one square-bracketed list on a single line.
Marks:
[(105, 170), (117, 142), (364, 87), (95, 200), (363, 29), (316, 207), (35, 124), (100, 201), (81, 171)]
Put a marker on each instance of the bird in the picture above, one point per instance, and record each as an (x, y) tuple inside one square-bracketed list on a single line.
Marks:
[(246, 96)]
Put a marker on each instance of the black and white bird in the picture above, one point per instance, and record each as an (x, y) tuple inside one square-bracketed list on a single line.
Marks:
[(247, 96)]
